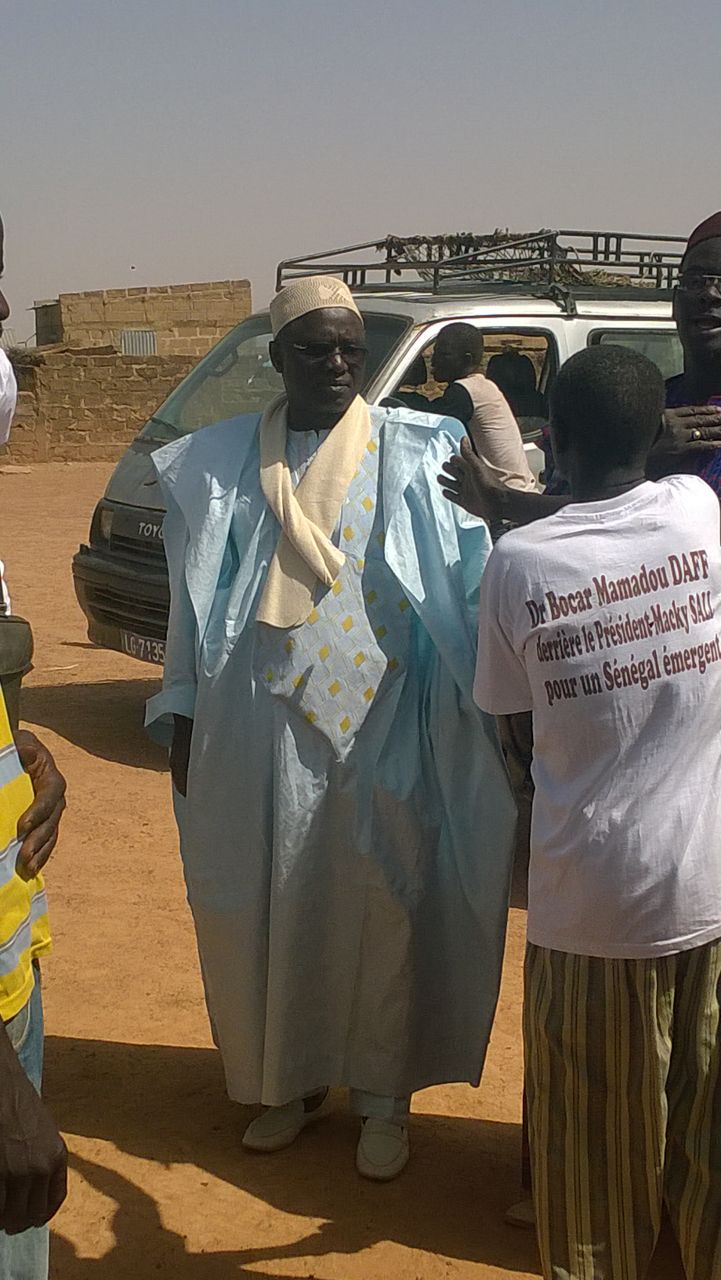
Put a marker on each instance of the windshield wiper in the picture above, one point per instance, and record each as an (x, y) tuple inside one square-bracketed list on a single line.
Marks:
[(163, 423)]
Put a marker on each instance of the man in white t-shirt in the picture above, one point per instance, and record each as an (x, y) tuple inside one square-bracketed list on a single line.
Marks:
[(605, 620)]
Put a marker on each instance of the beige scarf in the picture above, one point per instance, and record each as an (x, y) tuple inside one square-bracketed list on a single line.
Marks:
[(305, 555)]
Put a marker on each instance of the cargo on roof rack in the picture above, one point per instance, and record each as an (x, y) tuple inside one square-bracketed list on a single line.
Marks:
[(552, 261)]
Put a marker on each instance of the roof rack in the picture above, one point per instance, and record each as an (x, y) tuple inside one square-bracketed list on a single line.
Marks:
[(552, 262)]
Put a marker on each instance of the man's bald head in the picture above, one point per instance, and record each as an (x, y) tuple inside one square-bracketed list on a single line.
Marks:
[(457, 353)]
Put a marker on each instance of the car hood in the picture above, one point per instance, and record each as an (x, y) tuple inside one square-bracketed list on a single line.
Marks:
[(134, 482)]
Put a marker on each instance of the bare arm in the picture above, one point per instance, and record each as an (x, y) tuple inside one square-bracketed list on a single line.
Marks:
[(467, 483), (38, 826), (689, 435), (33, 1158)]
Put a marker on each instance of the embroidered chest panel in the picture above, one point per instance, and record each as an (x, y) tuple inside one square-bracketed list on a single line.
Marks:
[(356, 638)]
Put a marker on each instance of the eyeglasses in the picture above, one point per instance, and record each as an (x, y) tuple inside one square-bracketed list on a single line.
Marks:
[(697, 282), (316, 352)]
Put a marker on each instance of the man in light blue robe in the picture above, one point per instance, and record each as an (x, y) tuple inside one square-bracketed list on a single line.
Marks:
[(346, 824)]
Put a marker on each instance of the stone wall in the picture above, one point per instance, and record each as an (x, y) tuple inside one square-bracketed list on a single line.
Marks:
[(85, 406), (187, 319)]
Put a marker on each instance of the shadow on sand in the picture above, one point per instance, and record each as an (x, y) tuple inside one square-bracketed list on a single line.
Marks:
[(104, 718), (167, 1105)]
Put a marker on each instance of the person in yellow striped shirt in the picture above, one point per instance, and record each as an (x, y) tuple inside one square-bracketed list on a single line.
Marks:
[(32, 1153), (33, 1159)]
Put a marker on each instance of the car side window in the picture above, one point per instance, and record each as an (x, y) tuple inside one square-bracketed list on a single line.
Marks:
[(660, 345), (522, 363)]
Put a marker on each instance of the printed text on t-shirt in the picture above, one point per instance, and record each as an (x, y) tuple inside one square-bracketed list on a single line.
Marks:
[(680, 614)]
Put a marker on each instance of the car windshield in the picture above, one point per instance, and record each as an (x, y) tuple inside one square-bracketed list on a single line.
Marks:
[(238, 377)]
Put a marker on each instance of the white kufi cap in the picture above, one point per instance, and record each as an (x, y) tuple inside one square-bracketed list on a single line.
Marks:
[(311, 293)]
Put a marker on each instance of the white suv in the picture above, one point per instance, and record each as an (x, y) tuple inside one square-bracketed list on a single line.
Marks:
[(542, 297)]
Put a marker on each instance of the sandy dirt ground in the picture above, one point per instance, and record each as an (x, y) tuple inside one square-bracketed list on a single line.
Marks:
[(159, 1184)]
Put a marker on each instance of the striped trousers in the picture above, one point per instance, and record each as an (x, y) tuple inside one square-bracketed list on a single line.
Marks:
[(623, 1075)]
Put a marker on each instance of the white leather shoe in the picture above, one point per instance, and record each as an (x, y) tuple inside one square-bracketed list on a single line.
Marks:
[(278, 1127), (383, 1151)]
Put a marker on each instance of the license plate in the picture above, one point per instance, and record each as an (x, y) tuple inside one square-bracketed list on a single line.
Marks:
[(142, 647)]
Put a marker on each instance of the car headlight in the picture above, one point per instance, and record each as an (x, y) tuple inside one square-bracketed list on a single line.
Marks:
[(105, 523)]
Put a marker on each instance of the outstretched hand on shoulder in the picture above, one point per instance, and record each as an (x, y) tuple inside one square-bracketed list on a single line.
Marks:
[(466, 482)]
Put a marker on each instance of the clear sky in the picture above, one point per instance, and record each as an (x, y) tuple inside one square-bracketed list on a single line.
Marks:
[(205, 139)]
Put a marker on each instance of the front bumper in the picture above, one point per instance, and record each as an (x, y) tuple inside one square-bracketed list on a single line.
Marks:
[(125, 603)]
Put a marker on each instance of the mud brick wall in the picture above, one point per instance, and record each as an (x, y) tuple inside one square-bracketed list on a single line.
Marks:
[(188, 319), (86, 407)]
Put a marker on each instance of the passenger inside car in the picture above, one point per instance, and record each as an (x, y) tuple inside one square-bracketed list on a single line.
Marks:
[(479, 404), (514, 374)]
